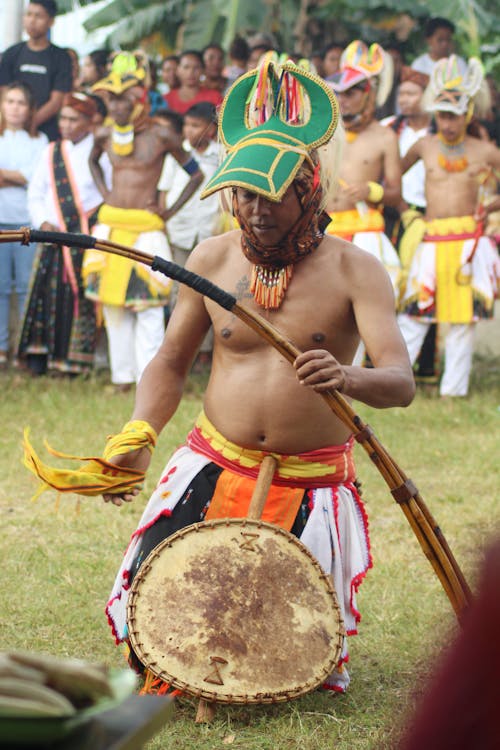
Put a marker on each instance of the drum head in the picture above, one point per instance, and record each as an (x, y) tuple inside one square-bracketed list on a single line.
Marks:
[(235, 611)]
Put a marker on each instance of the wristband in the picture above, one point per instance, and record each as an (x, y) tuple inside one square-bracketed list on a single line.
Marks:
[(375, 192), (135, 435), (191, 166)]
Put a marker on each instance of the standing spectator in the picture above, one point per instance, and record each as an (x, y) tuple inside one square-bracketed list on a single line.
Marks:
[(41, 65), (330, 59), (238, 54), (258, 45), (213, 60), (75, 67), (439, 39), (391, 105), (168, 75), (132, 295), (413, 123), (190, 90), (197, 219), (93, 68), (20, 148), (59, 327)]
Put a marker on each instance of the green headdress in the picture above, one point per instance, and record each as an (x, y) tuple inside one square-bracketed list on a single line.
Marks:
[(270, 121)]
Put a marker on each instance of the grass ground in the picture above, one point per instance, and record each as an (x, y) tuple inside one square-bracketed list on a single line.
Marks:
[(58, 565)]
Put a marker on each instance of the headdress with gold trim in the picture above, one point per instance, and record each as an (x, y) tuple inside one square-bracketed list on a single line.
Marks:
[(270, 122), (119, 81), (450, 90), (372, 65)]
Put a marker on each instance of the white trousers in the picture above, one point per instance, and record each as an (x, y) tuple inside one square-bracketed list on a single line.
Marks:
[(133, 340), (458, 350)]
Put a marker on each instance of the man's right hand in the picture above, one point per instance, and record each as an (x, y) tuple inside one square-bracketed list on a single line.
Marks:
[(140, 460)]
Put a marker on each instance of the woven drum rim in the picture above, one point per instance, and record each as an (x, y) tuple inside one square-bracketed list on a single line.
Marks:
[(212, 695)]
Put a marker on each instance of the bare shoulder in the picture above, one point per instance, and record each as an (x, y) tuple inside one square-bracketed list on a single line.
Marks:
[(376, 129), (211, 254), (356, 266)]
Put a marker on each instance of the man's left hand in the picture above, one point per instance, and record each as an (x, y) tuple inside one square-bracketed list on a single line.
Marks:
[(319, 370)]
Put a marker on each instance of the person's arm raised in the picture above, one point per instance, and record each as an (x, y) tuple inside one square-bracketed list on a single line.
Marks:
[(392, 170), (94, 164)]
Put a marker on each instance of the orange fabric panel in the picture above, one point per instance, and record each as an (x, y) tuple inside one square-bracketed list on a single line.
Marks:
[(232, 497)]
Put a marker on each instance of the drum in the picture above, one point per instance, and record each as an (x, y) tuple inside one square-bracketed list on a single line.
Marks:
[(235, 611)]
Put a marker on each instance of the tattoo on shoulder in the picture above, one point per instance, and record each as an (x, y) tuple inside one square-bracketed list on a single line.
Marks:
[(243, 288)]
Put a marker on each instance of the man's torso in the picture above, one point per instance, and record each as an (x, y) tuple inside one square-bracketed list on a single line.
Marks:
[(316, 314)]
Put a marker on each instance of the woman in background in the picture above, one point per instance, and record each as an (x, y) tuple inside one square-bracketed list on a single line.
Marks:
[(20, 148)]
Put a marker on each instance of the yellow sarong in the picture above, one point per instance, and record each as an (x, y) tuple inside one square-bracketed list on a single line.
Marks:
[(107, 276), (346, 224)]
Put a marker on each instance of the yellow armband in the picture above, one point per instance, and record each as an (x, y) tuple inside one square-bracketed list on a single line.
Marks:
[(135, 435), (376, 192)]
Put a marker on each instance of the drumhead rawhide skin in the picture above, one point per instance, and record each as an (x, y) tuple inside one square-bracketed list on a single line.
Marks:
[(235, 611)]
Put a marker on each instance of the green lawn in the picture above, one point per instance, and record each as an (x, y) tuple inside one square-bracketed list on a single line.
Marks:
[(59, 563)]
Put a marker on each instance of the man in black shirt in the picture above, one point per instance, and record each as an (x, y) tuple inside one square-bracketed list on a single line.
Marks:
[(45, 68)]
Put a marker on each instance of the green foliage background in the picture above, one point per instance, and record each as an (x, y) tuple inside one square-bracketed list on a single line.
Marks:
[(298, 25)]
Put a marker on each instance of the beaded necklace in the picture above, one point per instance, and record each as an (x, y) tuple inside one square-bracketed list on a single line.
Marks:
[(451, 155)]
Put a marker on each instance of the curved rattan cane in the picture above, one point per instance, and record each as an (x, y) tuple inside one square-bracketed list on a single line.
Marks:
[(403, 490)]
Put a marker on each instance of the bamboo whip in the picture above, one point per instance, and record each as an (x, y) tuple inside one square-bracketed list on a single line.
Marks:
[(424, 526)]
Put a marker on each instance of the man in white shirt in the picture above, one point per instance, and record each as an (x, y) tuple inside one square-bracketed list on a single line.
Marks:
[(197, 219), (439, 39)]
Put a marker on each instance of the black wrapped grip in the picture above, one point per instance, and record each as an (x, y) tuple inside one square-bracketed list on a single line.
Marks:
[(63, 238), (192, 280)]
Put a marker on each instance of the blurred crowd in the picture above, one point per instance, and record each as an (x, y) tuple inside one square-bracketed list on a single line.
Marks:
[(101, 143)]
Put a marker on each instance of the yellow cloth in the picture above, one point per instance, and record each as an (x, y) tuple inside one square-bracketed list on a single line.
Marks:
[(326, 466), (347, 223), (98, 475), (114, 271), (453, 301)]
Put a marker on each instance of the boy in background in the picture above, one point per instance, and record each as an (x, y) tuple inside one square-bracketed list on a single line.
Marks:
[(196, 220)]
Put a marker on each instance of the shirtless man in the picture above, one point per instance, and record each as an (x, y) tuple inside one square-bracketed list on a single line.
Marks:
[(132, 296), (279, 264), (370, 173), (454, 271)]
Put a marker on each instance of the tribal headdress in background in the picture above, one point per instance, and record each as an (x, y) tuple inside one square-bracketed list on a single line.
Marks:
[(118, 82), (451, 91), (361, 64)]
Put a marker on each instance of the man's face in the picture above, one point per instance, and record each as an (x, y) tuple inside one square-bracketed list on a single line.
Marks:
[(351, 102), (198, 131), (450, 125), (189, 71), (270, 221), (37, 21), (73, 124), (214, 62), (255, 56), (120, 107), (440, 44), (410, 98), (169, 73)]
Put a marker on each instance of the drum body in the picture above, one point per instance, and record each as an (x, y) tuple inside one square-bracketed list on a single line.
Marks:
[(235, 611)]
